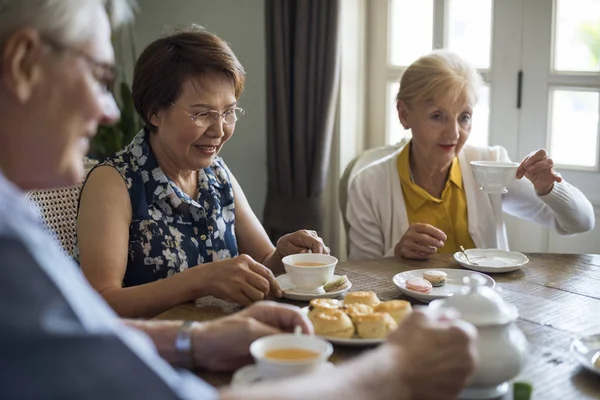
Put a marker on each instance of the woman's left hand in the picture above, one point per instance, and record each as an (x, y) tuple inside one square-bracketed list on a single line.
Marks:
[(300, 242), (539, 169)]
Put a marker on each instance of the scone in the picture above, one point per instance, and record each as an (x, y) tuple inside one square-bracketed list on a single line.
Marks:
[(333, 323), (368, 298), (356, 310), (398, 309), (375, 326), (319, 305)]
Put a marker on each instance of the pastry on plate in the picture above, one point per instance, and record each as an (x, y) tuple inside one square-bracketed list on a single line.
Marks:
[(319, 305), (375, 325), (339, 283), (419, 285), (356, 310), (368, 298), (333, 323), (398, 309), (436, 278)]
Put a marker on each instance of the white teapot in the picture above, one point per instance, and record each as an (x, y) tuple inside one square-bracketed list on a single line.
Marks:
[(501, 345)]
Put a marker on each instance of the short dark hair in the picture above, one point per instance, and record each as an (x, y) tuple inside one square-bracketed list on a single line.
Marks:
[(166, 63)]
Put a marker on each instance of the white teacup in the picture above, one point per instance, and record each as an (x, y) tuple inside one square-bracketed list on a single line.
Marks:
[(494, 176), (275, 368), (308, 272)]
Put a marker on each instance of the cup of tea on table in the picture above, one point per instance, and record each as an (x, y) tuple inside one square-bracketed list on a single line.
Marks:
[(286, 355), (308, 272)]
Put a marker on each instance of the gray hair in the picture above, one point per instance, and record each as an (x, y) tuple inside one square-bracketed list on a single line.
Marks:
[(65, 21)]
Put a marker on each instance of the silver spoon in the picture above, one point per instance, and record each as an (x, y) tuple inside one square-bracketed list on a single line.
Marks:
[(467, 257)]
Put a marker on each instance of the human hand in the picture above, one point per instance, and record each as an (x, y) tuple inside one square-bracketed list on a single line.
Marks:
[(437, 354), (429, 356), (239, 280), (300, 242), (539, 169), (224, 344), (419, 242)]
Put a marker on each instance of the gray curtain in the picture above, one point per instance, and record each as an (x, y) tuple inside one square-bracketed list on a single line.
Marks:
[(302, 86)]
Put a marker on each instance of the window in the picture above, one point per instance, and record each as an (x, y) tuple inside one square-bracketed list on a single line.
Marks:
[(573, 119), (412, 29), (552, 45)]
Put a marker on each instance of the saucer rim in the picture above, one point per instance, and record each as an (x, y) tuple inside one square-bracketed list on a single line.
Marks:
[(492, 270), (251, 369), (292, 295)]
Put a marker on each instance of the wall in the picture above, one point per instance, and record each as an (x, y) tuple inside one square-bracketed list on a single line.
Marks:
[(241, 24)]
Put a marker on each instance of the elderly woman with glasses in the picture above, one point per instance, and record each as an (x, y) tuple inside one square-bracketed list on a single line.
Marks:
[(164, 221)]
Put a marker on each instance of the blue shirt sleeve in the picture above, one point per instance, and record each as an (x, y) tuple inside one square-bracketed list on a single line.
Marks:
[(46, 351)]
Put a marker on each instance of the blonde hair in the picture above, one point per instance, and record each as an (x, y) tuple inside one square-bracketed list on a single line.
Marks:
[(439, 75)]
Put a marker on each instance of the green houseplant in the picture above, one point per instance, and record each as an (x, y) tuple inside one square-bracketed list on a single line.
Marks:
[(110, 139)]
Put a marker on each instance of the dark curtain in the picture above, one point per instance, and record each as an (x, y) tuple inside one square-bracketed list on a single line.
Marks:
[(302, 86)]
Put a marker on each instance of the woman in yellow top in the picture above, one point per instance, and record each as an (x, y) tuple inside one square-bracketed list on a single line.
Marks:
[(423, 198)]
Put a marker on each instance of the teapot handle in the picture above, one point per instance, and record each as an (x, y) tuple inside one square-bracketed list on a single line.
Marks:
[(474, 281)]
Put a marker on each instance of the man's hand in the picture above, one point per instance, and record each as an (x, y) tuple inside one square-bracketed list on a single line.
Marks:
[(224, 344)]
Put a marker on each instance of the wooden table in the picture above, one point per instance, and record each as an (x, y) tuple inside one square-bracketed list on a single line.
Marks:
[(558, 297)]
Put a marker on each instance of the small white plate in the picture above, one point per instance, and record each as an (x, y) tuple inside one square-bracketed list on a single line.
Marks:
[(351, 342), (249, 374), (454, 283), (288, 290), (586, 350), (491, 260)]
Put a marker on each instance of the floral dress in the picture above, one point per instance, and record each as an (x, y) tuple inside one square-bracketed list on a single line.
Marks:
[(170, 231)]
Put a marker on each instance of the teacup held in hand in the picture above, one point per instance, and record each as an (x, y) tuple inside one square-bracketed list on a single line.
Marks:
[(494, 176)]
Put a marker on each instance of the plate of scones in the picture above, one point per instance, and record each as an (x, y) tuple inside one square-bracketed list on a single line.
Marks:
[(360, 319)]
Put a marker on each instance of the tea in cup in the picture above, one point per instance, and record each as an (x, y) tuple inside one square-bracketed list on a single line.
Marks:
[(308, 272), (286, 355)]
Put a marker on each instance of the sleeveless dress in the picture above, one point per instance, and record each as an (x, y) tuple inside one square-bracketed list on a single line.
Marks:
[(170, 231)]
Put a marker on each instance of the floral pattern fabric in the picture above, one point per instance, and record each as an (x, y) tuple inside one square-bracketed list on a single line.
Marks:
[(170, 231)]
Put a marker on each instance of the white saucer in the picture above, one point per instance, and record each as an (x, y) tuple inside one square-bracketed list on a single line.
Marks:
[(288, 290), (249, 374), (454, 283), (491, 260), (351, 342), (585, 350), (493, 392)]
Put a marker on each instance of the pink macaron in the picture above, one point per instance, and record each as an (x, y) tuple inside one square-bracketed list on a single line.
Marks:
[(418, 285)]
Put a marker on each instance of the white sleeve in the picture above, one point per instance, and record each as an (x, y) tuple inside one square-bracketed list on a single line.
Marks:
[(565, 209), (365, 234)]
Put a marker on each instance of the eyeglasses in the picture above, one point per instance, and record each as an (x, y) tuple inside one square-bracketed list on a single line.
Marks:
[(204, 119), (105, 73)]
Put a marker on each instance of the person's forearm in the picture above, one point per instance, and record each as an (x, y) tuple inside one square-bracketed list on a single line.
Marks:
[(359, 379), (163, 334), (151, 299)]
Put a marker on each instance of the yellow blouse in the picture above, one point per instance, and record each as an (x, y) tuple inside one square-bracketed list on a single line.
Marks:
[(448, 214)]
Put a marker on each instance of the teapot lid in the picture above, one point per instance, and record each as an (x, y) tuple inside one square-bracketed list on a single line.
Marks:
[(479, 304)]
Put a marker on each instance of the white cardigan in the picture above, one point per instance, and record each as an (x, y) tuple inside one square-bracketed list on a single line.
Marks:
[(377, 214)]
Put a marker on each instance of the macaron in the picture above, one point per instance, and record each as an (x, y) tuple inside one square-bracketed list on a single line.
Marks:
[(338, 283), (437, 278), (419, 285)]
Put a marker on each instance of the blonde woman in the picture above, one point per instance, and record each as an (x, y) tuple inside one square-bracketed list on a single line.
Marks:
[(423, 199)]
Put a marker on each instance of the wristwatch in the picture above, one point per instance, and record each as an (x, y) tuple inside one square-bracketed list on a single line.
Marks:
[(184, 344)]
